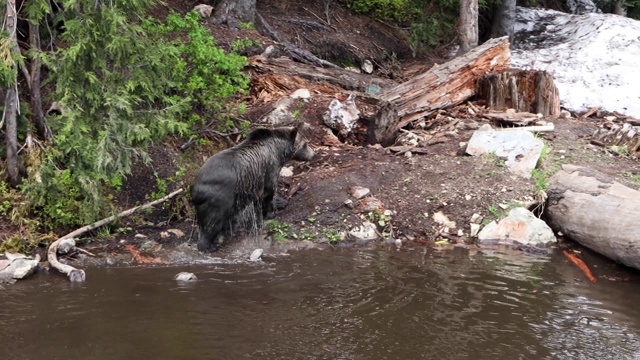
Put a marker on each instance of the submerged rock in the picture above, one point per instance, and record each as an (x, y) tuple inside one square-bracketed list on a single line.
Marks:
[(256, 255), (186, 276)]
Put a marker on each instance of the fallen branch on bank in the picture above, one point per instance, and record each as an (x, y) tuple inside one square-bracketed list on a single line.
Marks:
[(78, 275)]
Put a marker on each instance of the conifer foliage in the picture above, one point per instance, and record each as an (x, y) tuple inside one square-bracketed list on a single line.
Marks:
[(120, 87)]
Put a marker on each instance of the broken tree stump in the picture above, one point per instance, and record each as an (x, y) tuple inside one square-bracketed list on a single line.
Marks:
[(441, 86), (523, 90), (595, 211)]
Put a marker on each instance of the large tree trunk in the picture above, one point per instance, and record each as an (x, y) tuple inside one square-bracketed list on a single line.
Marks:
[(442, 86), (468, 25), (597, 212), (523, 90), (11, 102), (504, 19)]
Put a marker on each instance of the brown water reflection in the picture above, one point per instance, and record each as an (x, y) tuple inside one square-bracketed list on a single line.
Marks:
[(332, 304)]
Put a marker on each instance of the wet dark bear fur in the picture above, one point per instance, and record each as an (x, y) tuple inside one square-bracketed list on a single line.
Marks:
[(234, 189)]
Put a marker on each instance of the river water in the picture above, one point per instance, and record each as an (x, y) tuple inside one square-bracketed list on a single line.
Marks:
[(331, 304)]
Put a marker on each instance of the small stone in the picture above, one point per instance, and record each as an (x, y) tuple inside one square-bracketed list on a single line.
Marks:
[(442, 219), (475, 229), (367, 66), (467, 197), (564, 114), (371, 204), (398, 242), (176, 232), (204, 10), (286, 171), (460, 233), (408, 154), (256, 255), (366, 231), (476, 218), (303, 94), (611, 118), (164, 235), (140, 236), (348, 203), (66, 246), (186, 276), (359, 192)]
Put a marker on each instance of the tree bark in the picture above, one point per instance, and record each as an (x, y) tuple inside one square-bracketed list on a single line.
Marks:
[(468, 25), (504, 19), (442, 86), (523, 90), (11, 103), (39, 120), (595, 211)]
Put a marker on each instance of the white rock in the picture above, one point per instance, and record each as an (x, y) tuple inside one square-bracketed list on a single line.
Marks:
[(521, 227), (593, 57), (66, 246), (521, 148), (359, 192), (281, 115), (442, 219), (256, 255), (176, 232), (366, 231), (342, 117), (185, 276), (476, 218), (20, 266), (303, 94), (204, 10), (474, 229), (286, 171), (367, 66)]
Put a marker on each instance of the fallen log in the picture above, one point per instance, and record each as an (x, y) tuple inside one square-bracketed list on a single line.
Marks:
[(523, 90), (346, 79), (625, 135), (77, 275), (595, 211), (442, 86)]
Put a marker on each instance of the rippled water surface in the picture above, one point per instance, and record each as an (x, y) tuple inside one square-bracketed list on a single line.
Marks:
[(331, 304)]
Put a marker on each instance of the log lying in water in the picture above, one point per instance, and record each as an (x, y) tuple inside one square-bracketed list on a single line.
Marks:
[(597, 212)]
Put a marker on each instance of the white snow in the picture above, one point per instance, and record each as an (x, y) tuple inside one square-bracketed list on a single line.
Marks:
[(594, 58)]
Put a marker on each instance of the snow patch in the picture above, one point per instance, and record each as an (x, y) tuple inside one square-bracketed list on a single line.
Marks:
[(593, 57)]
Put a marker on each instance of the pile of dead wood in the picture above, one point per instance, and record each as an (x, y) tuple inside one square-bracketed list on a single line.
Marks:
[(483, 71)]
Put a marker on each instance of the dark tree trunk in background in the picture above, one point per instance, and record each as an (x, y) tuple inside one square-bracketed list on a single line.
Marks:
[(231, 12), (504, 19), (11, 102), (468, 25), (39, 120)]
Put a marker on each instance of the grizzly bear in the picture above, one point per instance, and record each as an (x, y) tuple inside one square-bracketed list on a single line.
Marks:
[(234, 189)]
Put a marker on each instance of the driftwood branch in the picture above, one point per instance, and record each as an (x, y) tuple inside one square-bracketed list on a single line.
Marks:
[(77, 275)]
